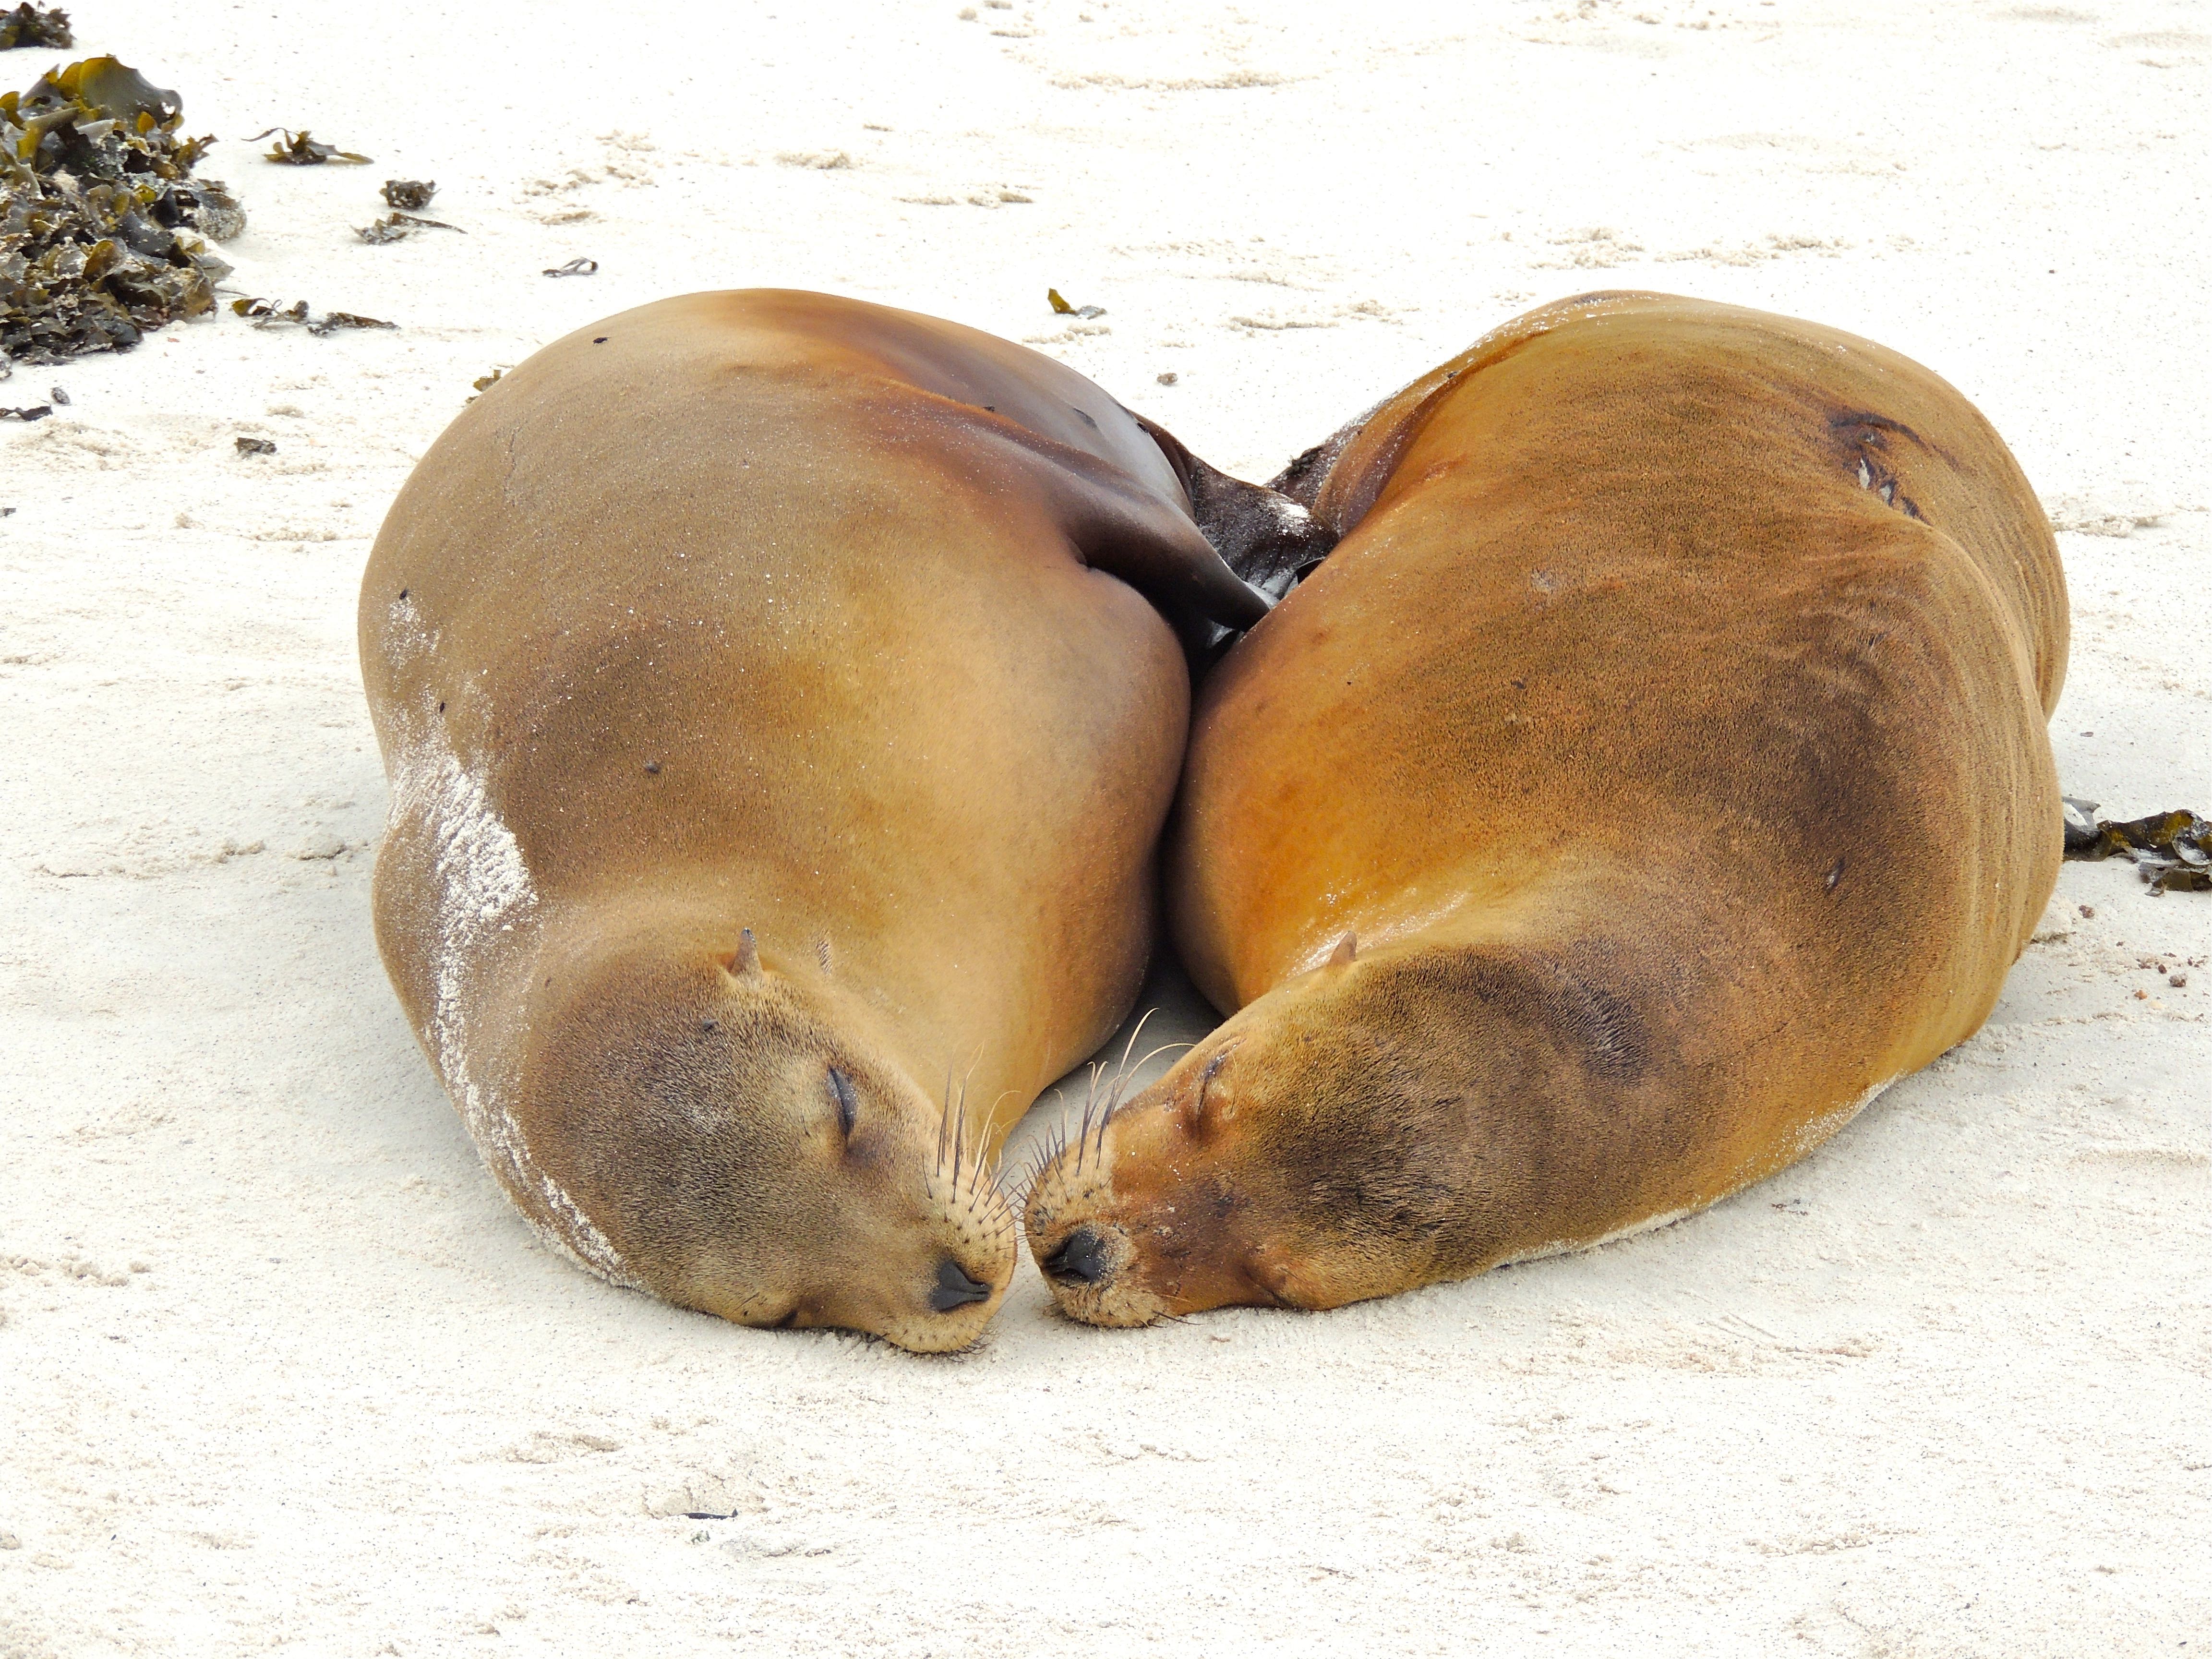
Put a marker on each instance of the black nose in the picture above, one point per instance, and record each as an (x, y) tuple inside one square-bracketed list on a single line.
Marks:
[(955, 1289), (1081, 1259)]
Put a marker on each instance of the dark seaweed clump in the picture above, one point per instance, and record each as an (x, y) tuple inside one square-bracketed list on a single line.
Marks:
[(28, 26), (97, 241), (2173, 851)]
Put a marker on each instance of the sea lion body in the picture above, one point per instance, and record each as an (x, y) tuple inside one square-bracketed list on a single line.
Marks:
[(776, 773), (1667, 730)]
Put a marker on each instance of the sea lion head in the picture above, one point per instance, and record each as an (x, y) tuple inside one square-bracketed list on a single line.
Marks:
[(1273, 1165), (733, 1137), (1372, 1125)]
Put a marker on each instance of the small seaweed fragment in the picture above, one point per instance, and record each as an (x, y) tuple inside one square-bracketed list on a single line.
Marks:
[(2171, 851), (267, 314), (256, 447), (484, 383), (332, 321), (297, 149), (1060, 306), (398, 227), (35, 412), (573, 268), (410, 195), (28, 26), (97, 213)]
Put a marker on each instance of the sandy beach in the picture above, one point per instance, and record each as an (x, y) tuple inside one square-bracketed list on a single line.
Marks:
[(281, 1371)]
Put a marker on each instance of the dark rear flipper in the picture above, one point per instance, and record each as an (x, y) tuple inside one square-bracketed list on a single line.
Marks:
[(1264, 536)]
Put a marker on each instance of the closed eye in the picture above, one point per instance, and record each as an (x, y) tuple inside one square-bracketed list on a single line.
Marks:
[(1205, 1080), (1219, 1059), (848, 1103)]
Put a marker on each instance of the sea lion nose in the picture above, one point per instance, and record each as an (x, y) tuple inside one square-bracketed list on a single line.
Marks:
[(1081, 1259), (955, 1289)]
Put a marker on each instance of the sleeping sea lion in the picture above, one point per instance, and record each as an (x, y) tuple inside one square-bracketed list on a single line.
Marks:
[(781, 716), (1655, 771)]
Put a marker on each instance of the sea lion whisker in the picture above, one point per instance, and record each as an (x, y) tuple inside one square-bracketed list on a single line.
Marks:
[(1031, 1177), (1083, 1132), (1090, 1102), (988, 1163), (1130, 1047), (960, 1119), (945, 1124), (1115, 1101)]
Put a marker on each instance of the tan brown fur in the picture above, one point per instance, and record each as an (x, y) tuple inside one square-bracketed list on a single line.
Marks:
[(775, 613), (1668, 727)]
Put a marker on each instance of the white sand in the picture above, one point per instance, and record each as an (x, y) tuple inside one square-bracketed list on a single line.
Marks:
[(281, 1371)]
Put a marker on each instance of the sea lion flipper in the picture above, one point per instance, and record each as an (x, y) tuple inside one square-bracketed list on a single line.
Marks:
[(1120, 527), (1267, 538)]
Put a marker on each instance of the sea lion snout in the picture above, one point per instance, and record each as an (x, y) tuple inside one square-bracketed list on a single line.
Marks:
[(1082, 1258), (955, 1289), (1143, 1215), (1099, 1277)]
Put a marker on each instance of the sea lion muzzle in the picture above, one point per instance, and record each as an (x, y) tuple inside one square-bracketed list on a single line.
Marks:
[(1081, 1259), (955, 1289)]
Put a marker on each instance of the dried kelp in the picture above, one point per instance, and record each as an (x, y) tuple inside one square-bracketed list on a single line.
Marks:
[(484, 383), (574, 268), (28, 26), (35, 412), (267, 314), (1062, 308), (256, 447), (398, 227), (96, 242), (297, 149), (410, 195), (332, 321), (2170, 849)]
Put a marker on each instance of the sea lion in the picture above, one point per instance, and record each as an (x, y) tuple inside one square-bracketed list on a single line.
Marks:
[(780, 725), (1655, 770)]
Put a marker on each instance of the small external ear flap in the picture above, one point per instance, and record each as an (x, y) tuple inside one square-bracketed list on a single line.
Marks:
[(747, 959), (822, 953), (1347, 948)]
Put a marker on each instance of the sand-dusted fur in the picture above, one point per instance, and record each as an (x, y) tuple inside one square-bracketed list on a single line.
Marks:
[(1667, 729), (779, 747)]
